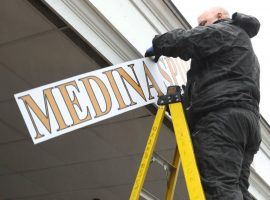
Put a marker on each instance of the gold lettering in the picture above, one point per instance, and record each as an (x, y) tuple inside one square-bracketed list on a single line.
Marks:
[(149, 76), (115, 89), (182, 68), (173, 69), (70, 103), (44, 118), (93, 98), (165, 75), (127, 77)]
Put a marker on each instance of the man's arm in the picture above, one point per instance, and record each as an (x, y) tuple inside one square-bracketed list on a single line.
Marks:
[(198, 42)]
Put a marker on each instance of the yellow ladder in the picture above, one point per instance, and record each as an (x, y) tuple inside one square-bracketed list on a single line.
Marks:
[(184, 149)]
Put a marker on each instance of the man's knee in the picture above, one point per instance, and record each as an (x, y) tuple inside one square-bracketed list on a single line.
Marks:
[(215, 190)]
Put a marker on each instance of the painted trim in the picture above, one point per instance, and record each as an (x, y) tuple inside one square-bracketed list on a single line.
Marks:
[(96, 31), (258, 187), (96, 27), (265, 132)]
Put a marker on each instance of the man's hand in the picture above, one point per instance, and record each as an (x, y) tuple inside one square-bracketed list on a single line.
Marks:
[(150, 52)]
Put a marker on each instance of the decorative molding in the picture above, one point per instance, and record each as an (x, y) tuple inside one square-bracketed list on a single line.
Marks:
[(99, 33), (177, 14), (259, 188), (165, 12), (265, 133), (98, 30)]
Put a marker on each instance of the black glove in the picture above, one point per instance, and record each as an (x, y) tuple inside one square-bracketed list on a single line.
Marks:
[(150, 52)]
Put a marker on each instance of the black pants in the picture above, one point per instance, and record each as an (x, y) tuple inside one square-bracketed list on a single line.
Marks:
[(225, 142)]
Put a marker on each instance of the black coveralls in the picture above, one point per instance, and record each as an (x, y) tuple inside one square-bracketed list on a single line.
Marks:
[(221, 100)]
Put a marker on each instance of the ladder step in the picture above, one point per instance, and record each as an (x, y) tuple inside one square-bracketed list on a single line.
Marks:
[(147, 195), (167, 166)]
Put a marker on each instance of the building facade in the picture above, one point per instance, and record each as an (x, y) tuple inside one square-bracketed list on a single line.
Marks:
[(49, 40)]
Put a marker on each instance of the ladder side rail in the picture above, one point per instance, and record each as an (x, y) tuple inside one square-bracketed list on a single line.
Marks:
[(148, 152), (173, 176), (184, 143)]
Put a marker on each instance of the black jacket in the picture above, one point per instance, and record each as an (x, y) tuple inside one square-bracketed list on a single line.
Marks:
[(224, 70)]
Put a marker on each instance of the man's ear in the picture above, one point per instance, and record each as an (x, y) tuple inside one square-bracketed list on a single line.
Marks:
[(219, 15)]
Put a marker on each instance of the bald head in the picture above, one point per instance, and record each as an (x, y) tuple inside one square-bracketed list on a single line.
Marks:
[(212, 15)]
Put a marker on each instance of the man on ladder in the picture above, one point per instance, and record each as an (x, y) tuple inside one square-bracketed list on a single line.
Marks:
[(221, 98)]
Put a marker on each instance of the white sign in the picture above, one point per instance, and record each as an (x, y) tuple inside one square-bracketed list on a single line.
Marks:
[(57, 108)]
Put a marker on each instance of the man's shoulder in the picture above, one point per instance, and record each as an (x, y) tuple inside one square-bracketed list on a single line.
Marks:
[(226, 27), (221, 24)]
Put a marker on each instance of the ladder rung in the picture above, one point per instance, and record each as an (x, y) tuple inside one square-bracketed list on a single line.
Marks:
[(147, 195), (163, 162)]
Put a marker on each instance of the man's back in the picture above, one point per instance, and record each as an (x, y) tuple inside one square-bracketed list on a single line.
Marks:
[(227, 77), (224, 69)]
